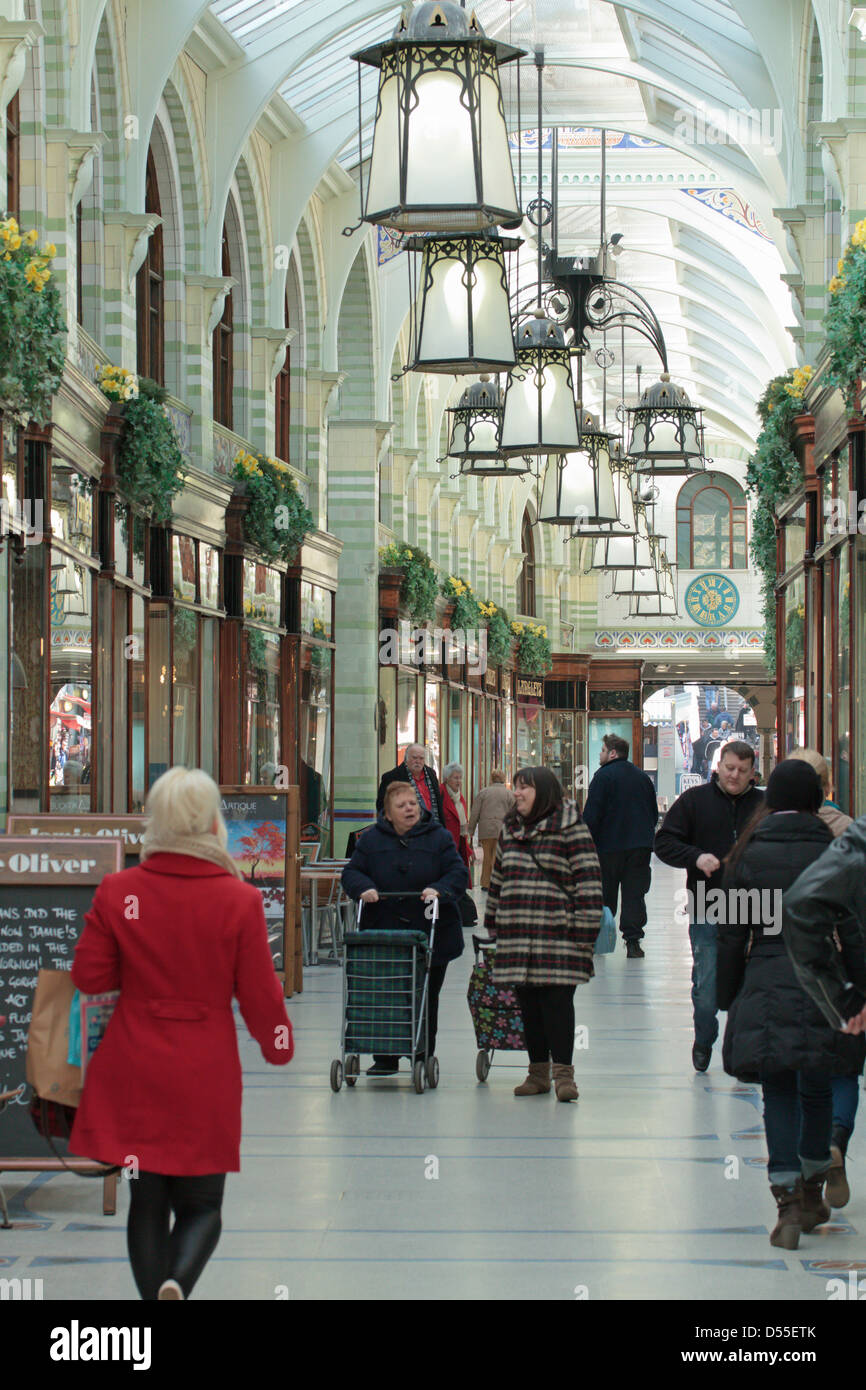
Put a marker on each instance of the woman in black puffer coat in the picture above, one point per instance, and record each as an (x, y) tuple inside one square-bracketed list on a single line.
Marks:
[(775, 1034), (406, 851)]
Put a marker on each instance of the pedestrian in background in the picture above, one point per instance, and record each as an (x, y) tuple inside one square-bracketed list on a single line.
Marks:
[(831, 814), (455, 812), (489, 809), (422, 779), (698, 831), (622, 814), (544, 911), (165, 1084), (775, 1034)]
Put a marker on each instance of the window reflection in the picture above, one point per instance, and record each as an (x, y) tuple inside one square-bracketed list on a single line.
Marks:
[(70, 711), (315, 746)]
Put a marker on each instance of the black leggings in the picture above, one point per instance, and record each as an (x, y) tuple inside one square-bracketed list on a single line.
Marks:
[(157, 1254), (548, 1021)]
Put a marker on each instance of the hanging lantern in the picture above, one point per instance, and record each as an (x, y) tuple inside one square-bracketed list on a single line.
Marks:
[(663, 603), (474, 440), (629, 549), (440, 158), (641, 580), (539, 415), (667, 431), (625, 524), (579, 487), (461, 318)]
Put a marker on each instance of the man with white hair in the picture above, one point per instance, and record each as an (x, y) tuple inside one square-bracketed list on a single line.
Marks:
[(422, 778)]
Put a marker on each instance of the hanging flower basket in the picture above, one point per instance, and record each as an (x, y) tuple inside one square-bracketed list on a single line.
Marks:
[(149, 464), (418, 585), (276, 520), (32, 327), (534, 652)]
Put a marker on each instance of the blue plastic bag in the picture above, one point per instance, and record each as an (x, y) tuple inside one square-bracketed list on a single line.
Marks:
[(605, 942)]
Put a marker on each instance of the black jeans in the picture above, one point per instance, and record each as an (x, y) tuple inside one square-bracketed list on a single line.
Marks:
[(548, 1021), (627, 870), (435, 983), (181, 1254), (798, 1118)]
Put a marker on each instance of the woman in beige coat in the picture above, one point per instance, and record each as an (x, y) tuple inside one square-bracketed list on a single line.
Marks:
[(489, 809)]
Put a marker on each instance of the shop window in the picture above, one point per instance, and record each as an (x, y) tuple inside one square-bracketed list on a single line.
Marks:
[(150, 290), (223, 352), (283, 398), (842, 748), (135, 658), (431, 726), (70, 734), (13, 158), (27, 625), (558, 749), (407, 713), (795, 537), (315, 745), (711, 524), (158, 694), (262, 591), (386, 718), (526, 582), (795, 679), (209, 759), (185, 687), (71, 509), (183, 565), (316, 606), (261, 713)]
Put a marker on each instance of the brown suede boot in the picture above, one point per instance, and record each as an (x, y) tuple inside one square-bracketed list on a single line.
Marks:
[(786, 1232), (563, 1080), (537, 1082), (814, 1208)]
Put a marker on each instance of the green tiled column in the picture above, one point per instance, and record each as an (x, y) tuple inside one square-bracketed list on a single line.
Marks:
[(353, 509)]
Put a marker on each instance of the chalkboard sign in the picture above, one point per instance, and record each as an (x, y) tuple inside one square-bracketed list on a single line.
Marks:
[(257, 821), (128, 829), (45, 892)]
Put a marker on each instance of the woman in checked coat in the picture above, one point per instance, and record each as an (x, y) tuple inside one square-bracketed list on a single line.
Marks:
[(544, 910)]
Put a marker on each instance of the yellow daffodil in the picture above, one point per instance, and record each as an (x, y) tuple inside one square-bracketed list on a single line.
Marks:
[(50, 250), (32, 237), (835, 285)]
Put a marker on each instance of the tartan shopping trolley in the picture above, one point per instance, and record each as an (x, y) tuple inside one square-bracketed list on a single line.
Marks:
[(386, 999), (495, 1011)]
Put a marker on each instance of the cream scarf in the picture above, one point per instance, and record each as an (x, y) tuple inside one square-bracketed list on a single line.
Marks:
[(197, 846), (457, 803)]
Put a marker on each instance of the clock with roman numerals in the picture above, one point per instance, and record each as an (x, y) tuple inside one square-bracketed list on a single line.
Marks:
[(712, 600)]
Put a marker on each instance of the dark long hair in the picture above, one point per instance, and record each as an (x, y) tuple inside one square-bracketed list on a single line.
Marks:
[(548, 794), (734, 855), (789, 788)]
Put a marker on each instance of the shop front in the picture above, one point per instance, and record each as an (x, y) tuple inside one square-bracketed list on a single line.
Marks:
[(312, 587)]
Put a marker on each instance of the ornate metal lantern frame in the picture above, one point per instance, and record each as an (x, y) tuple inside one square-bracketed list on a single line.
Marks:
[(460, 320), (475, 424), (439, 95), (665, 409)]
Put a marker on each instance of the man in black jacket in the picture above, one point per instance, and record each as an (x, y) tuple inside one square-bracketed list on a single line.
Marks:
[(698, 831), (423, 779), (621, 814)]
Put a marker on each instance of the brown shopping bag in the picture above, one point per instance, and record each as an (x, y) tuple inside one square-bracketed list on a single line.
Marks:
[(48, 1071)]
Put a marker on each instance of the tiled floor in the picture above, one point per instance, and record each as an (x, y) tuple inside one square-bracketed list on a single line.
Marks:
[(651, 1186)]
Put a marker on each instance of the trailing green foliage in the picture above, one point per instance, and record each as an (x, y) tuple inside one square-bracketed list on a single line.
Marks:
[(499, 636), (276, 521), (467, 610), (257, 649), (149, 462), (845, 321), (773, 474), (534, 652), (32, 327), (419, 587)]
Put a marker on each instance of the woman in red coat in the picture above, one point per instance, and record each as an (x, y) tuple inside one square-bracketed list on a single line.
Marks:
[(456, 812), (178, 935)]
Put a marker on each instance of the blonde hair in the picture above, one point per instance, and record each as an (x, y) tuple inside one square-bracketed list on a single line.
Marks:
[(394, 789), (818, 762), (497, 775), (181, 808)]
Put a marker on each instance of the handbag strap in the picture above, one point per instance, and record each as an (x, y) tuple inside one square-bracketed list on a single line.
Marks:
[(546, 874), (106, 1172)]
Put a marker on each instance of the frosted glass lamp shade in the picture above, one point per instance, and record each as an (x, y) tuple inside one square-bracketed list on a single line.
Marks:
[(440, 159), (540, 415), (667, 433), (462, 321), (475, 425)]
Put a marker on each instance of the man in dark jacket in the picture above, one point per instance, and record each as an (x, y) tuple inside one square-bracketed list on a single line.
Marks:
[(621, 814), (698, 831), (414, 770), (407, 852)]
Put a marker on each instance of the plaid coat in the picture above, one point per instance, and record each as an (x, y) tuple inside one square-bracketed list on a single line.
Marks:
[(540, 938)]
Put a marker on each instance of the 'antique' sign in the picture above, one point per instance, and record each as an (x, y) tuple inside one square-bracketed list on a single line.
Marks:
[(527, 689)]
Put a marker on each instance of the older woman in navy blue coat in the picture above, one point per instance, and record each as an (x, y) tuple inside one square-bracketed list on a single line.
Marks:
[(407, 852)]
